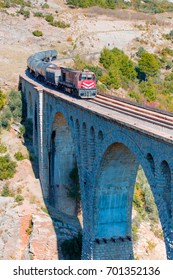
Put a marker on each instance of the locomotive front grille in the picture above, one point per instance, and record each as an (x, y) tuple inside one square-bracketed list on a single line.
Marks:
[(87, 93)]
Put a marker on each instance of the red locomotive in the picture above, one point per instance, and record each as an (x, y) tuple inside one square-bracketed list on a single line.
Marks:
[(77, 83)]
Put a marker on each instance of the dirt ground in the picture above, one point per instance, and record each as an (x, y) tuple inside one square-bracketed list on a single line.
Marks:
[(90, 31)]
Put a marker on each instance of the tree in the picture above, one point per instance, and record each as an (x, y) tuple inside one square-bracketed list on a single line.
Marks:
[(148, 64), (3, 99)]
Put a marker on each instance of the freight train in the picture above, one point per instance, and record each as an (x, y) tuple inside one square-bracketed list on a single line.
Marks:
[(80, 84)]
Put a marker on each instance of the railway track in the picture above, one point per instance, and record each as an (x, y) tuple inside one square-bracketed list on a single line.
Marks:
[(154, 116)]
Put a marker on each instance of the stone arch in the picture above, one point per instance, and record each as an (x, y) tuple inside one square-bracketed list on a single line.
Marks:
[(165, 185), (62, 160), (113, 203), (150, 159)]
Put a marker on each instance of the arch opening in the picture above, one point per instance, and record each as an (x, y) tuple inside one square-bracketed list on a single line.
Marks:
[(117, 179), (166, 186), (62, 161)]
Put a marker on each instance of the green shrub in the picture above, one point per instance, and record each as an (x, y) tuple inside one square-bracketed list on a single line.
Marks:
[(37, 33), (60, 24), (7, 167), (15, 104), (5, 117), (49, 18), (30, 227), (19, 156), (19, 198), (3, 99), (38, 14), (3, 149), (6, 192), (135, 96), (45, 6), (44, 209), (25, 13)]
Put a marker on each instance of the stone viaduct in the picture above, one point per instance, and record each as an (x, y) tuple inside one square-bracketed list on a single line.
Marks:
[(108, 151)]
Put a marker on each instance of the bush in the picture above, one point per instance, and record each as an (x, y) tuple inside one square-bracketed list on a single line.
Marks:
[(120, 69), (19, 198), (38, 14), (3, 99), (3, 149), (6, 192), (5, 117), (25, 13), (7, 167), (19, 156), (148, 64), (15, 104), (30, 227), (49, 18), (37, 33), (45, 6), (60, 24)]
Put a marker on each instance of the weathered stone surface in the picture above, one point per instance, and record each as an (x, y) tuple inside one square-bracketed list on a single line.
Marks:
[(108, 147)]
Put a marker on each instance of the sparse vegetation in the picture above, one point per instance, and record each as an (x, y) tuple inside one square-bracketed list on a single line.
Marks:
[(7, 167), (37, 33), (19, 156), (30, 227), (7, 192), (44, 209), (3, 149), (3, 99), (19, 198)]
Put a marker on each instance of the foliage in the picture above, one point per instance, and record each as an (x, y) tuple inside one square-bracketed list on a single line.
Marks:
[(19, 156), (19, 198), (25, 13), (3, 99), (6, 192), (30, 227), (38, 14), (45, 6), (7, 167), (37, 33), (119, 68), (146, 6), (5, 117), (140, 51), (15, 104), (3, 149), (49, 18), (72, 248), (148, 64), (44, 209), (147, 88), (60, 24), (135, 96)]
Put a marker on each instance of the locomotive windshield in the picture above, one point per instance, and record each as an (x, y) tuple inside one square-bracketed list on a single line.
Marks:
[(86, 77)]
